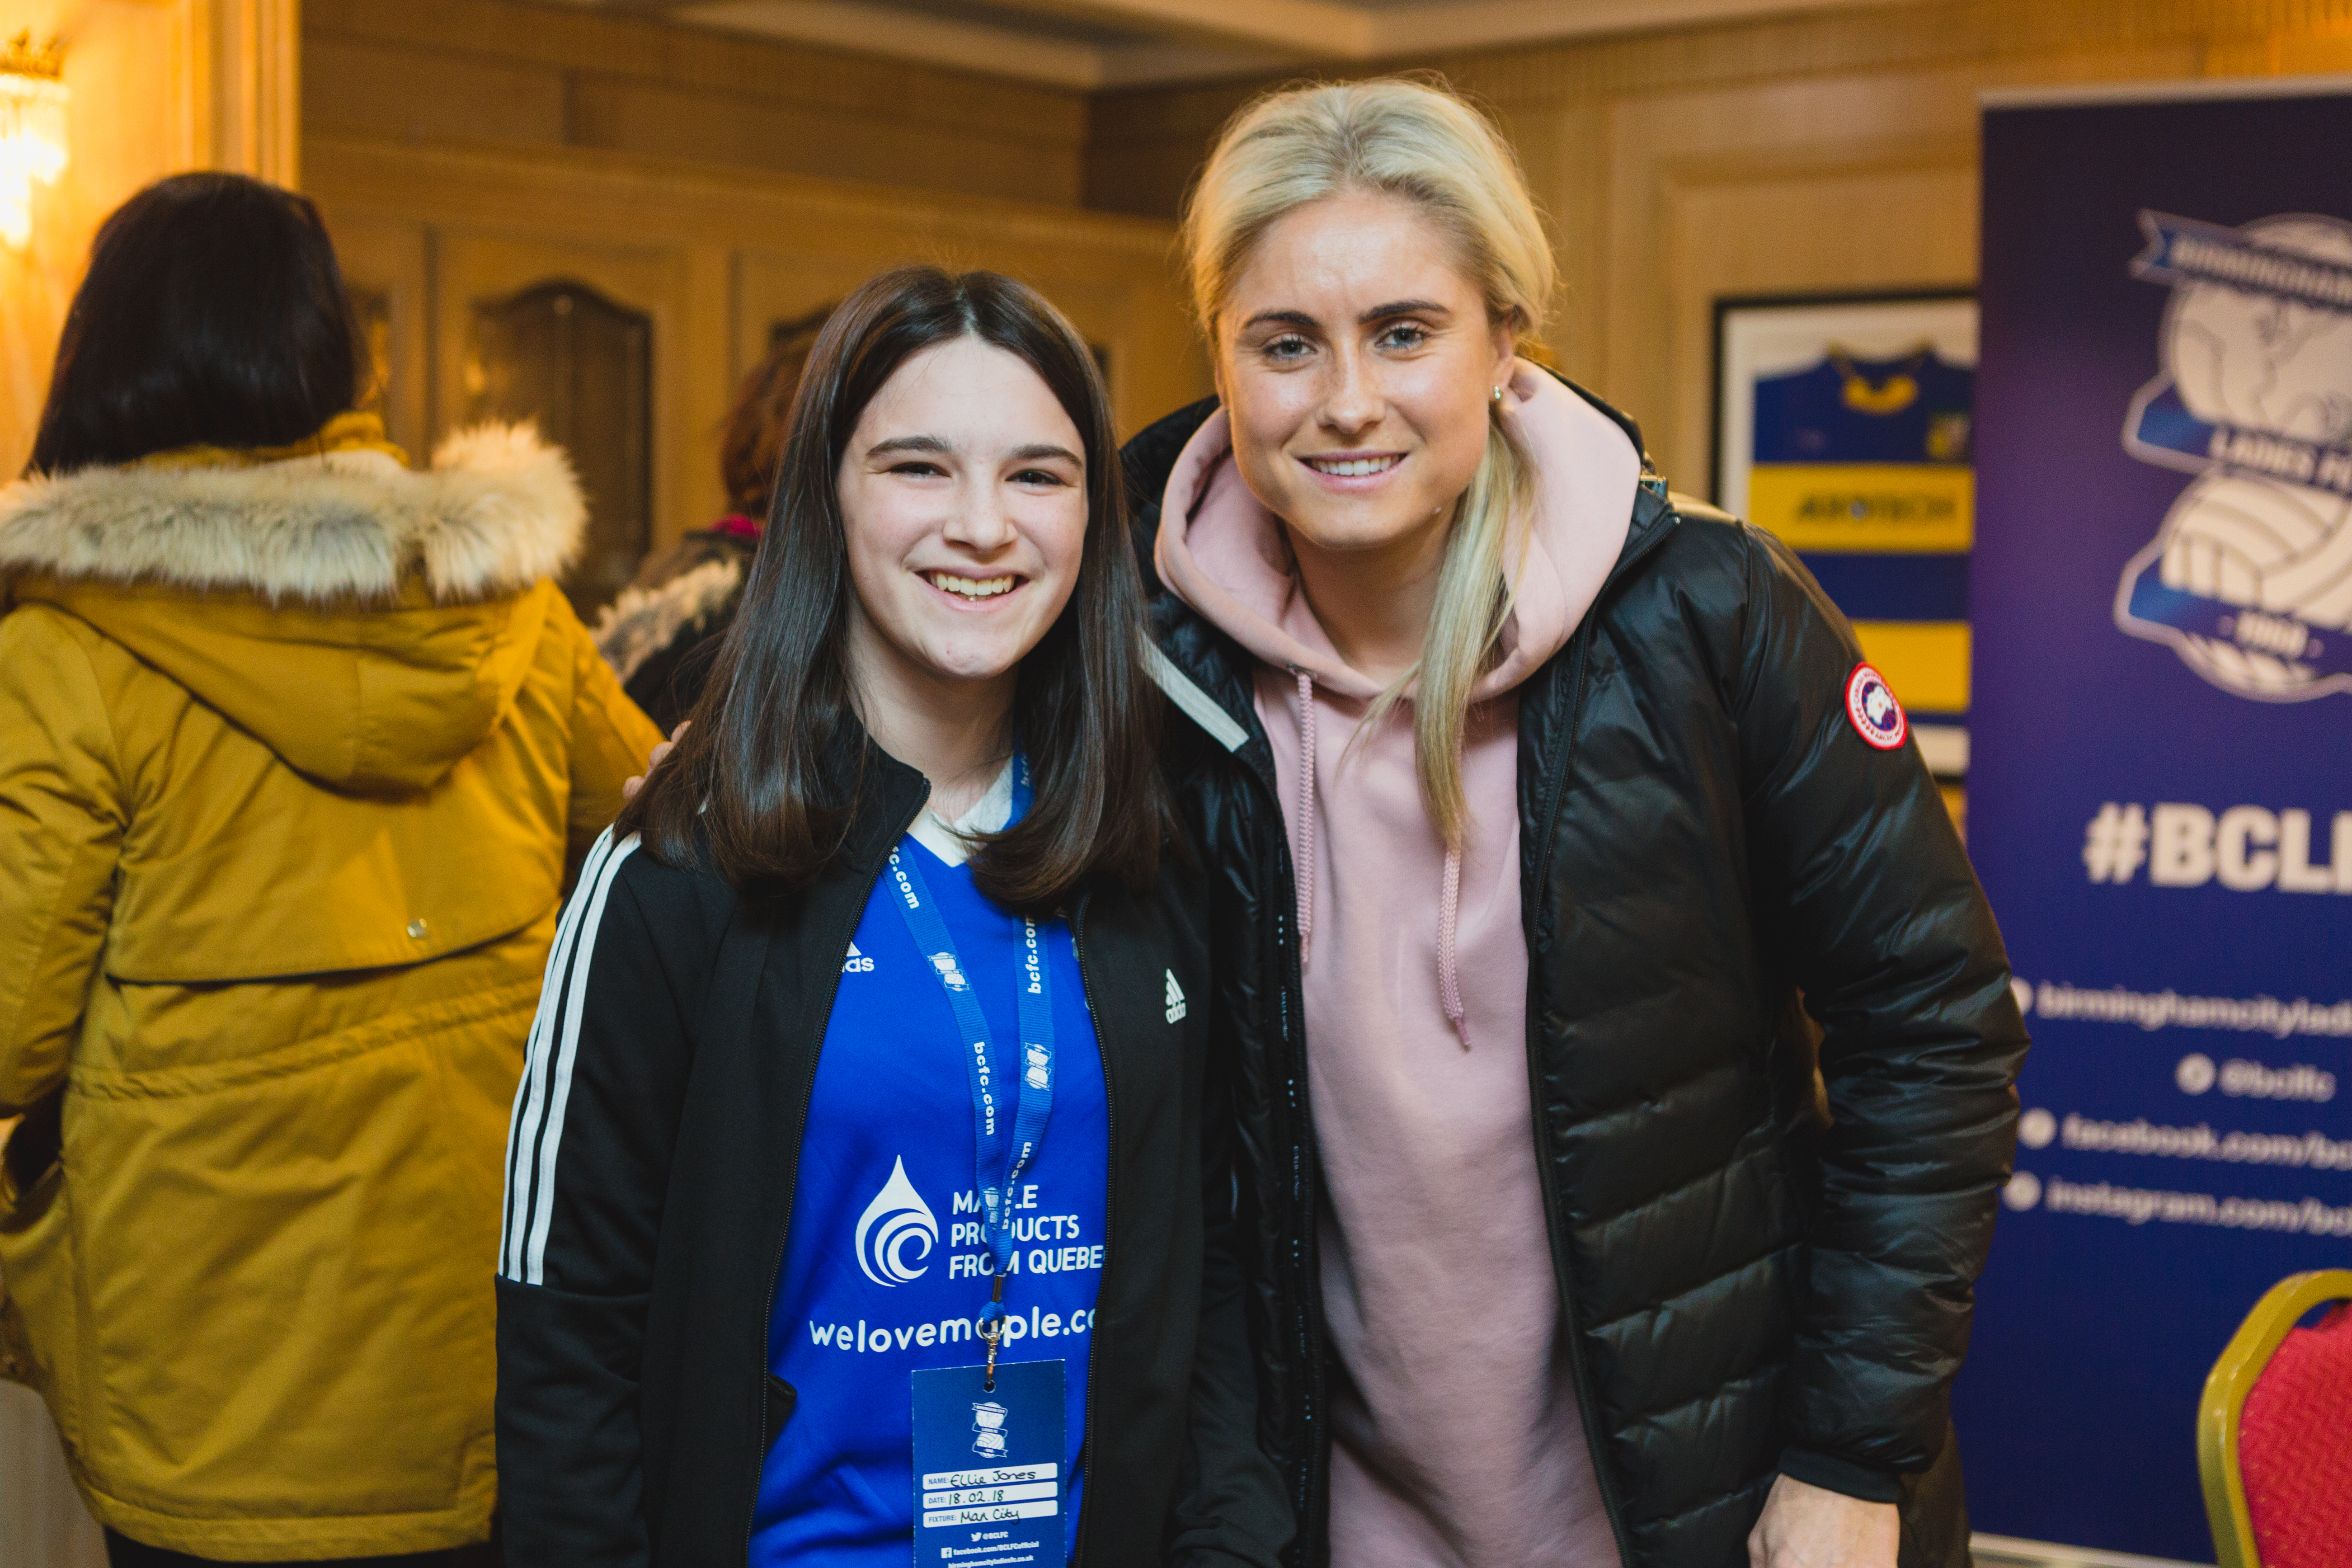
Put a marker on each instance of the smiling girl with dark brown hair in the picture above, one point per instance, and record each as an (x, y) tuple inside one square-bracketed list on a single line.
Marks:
[(907, 881)]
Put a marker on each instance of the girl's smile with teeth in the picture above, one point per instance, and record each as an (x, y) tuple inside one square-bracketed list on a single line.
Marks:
[(971, 587), (1355, 467)]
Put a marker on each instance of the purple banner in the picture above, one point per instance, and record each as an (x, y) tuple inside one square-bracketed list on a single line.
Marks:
[(2160, 785)]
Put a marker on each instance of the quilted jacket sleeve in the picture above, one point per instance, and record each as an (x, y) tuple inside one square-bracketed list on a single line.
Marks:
[(62, 815), (1882, 924)]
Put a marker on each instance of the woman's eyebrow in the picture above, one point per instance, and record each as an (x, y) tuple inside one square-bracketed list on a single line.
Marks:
[(1283, 317), (1041, 450), (932, 444), (1402, 308)]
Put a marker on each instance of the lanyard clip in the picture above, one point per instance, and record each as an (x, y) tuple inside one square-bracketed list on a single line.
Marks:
[(992, 1332)]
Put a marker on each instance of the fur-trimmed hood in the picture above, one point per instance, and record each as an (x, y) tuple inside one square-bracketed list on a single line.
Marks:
[(500, 511), (370, 623)]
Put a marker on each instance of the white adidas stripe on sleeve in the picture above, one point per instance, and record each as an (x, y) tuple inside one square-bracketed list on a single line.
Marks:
[(530, 1090), (537, 1130)]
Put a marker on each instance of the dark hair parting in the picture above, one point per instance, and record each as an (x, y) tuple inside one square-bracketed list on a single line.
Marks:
[(764, 780)]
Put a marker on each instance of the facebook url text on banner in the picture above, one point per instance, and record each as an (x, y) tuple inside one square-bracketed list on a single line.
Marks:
[(2269, 1015), (2310, 1151)]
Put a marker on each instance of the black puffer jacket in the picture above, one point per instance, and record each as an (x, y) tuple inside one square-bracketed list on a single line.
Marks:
[(1747, 1290), (661, 635)]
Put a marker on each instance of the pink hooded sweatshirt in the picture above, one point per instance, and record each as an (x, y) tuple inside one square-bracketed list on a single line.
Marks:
[(1457, 1439)]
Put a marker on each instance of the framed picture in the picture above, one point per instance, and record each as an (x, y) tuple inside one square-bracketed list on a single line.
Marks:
[(1842, 425)]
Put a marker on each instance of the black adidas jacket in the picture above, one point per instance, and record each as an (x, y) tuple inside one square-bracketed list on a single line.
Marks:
[(651, 1169), (1747, 1288)]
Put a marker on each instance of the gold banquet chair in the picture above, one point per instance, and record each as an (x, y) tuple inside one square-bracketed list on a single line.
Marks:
[(2274, 1431)]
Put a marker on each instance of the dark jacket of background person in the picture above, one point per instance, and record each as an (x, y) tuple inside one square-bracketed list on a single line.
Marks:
[(1744, 1290), (296, 745), (636, 1403), (661, 632)]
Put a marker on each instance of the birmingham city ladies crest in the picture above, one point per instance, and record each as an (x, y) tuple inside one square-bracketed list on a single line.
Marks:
[(2250, 577)]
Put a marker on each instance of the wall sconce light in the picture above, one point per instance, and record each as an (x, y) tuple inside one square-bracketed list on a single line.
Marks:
[(32, 129)]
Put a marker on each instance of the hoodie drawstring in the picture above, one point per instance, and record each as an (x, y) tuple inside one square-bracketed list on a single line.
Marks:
[(1303, 853), (1449, 913)]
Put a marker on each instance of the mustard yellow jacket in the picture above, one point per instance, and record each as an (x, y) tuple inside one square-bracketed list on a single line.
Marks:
[(293, 760)]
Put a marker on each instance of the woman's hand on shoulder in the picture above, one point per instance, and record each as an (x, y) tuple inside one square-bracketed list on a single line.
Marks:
[(631, 785), (1811, 1527)]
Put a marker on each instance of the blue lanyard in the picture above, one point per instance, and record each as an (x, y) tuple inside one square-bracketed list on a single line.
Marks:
[(998, 1163)]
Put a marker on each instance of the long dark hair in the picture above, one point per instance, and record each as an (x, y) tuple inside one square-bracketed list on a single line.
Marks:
[(776, 755), (214, 313)]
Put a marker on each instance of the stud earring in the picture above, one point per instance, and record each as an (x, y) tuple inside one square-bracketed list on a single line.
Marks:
[(1498, 394)]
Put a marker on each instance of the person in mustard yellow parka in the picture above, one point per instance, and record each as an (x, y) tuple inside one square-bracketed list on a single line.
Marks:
[(298, 749)]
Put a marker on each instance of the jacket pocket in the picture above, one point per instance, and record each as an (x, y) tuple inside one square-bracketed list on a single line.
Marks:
[(781, 1399), (31, 1150)]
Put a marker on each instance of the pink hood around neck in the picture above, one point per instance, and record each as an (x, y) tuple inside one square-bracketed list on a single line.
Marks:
[(1224, 554)]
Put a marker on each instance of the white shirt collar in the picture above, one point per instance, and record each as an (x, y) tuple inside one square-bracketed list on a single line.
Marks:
[(989, 814)]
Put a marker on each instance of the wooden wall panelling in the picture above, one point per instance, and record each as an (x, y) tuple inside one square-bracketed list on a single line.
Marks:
[(251, 120), (678, 120), (711, 369), (2327, 50), (1562, 146), (475, 265), (771, 288), (390, 259), (493, 70), (1154, 365), (718, 254), (1790, 186), (1863, 181), (1831, 152), (1145, 140), (363, 84)]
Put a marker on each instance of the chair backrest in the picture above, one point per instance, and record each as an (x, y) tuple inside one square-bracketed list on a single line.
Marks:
[(2275, 1432)]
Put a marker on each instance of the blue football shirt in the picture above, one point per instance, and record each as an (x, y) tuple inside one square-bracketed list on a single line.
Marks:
[(883, 1272)]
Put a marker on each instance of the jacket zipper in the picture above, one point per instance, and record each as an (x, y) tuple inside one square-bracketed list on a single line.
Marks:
[(1579, 1372), (783, 1231), (1311, 1289), (1291, 998), (1555, 791), (1110, 1197)]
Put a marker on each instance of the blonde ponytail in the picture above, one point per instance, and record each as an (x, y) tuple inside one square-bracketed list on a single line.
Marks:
[(1425, 143)]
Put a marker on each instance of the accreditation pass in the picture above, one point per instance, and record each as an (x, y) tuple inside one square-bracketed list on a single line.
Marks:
[(989, 1474)]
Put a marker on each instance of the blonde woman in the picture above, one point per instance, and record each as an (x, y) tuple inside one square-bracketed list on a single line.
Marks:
[(1533, 796)]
